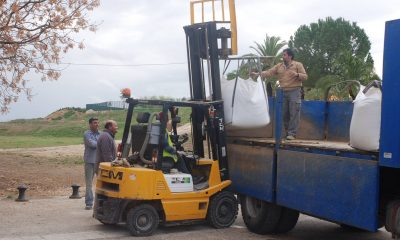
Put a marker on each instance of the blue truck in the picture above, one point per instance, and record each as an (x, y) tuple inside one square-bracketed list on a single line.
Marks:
[(319, 175)]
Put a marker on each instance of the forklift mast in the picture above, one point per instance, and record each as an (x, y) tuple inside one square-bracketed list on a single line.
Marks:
[(207, 43)]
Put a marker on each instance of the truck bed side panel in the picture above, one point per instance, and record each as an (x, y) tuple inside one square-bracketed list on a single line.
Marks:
[(251, 170), (340, 189), (338, 121), (312, 120), (390, 127)]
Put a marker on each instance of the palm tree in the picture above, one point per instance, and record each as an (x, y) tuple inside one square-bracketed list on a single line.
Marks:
[(270, 47)]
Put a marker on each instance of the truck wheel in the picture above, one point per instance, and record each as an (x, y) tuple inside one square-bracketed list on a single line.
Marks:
[(288, 220), (222, 210), (259, 216), (142, 220)]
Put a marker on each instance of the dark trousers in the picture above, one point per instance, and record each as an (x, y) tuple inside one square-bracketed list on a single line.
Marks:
[(291, 110), (168, 163)]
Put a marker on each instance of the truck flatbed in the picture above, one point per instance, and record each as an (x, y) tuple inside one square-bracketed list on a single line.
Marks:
[(300, 143)]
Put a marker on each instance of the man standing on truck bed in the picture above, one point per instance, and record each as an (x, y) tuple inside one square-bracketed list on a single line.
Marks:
[(290, 74), (90, 140), (106, 149)]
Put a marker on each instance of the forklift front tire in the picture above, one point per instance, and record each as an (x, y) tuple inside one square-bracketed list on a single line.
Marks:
[(222, 210), (142, 220)]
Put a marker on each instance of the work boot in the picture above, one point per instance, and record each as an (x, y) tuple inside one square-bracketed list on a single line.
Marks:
[(290, 137)]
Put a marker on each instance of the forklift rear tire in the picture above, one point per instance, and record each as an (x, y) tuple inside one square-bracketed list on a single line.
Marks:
[(142, 220), (222, 210), (259, 216)]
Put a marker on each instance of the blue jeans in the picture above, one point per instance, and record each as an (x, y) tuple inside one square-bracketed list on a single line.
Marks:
[(89, 174)]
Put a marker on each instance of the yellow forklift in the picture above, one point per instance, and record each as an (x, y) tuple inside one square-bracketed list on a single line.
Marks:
[(150, 191)]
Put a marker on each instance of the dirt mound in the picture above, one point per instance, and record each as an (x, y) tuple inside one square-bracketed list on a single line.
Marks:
[(65, 113), (56, 115)]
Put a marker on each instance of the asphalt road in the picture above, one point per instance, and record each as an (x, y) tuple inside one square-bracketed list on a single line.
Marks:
[(62, 218)]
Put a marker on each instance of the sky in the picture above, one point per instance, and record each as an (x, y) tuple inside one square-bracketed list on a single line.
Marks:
[(151, 32)]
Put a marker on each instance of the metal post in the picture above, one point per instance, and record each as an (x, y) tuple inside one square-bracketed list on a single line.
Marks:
[(75, 191), (213, 9), (127, 128), (278, 117), (195, 34), (191, 13), (202, 11), (278, 138), (21, 193), (162, 136), (221, 142), (214, 60), (223, 10), (232, 11)]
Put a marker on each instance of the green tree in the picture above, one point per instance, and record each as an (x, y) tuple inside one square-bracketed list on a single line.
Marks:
[(333, 47), (271, 46), (350, 67)]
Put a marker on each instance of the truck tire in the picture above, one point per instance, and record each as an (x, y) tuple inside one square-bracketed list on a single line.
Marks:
[(222, 210), (142, 220), (288, 220), (259, 216)]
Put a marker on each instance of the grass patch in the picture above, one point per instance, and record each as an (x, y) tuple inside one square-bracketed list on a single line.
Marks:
[(67, 129), (69, 161), (69, 114), (31, 141)]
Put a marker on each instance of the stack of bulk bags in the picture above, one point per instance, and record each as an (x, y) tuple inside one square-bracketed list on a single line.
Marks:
[(366, 119), (245, 103)]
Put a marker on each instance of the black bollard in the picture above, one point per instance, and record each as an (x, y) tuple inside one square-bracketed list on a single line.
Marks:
[(21, 193), (75, 191)]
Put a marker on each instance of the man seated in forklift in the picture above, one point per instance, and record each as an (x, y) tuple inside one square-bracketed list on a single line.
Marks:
[(170, 157)]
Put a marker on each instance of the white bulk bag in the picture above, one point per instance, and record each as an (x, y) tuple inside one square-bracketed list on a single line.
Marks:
[(227, 87), (250, 103), (366, 120)]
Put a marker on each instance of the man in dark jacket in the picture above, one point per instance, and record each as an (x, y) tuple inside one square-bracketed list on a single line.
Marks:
[(106, 150)]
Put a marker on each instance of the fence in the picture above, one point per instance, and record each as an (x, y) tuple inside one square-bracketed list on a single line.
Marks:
[(112, 105)]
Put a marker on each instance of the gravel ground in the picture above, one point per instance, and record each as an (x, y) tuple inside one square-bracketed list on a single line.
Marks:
[(60, 218)]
